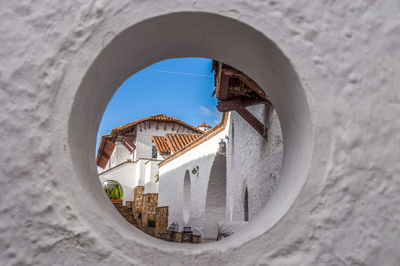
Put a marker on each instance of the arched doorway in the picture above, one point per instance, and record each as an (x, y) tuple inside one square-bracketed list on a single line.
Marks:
[(186, 197), (113, 189), (216, 197)]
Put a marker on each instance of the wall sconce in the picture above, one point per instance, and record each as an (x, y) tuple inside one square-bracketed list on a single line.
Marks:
[(195, 170), (222, 144)]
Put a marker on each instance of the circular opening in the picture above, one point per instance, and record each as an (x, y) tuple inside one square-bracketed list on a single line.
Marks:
[(148, 141), (195, 35)]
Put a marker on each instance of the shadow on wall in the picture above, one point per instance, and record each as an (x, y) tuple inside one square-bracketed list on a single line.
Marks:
[(216, 197), (186, 198)]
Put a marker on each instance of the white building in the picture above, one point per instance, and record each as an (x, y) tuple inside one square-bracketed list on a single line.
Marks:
[(222, 180), (213, 180), (129, 156)]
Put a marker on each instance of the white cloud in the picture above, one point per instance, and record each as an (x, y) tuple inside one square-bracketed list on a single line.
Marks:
[(214, 114), (206, 111)]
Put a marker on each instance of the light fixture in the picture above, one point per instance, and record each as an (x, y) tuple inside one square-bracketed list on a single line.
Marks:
[(195, 170), (222, 144)]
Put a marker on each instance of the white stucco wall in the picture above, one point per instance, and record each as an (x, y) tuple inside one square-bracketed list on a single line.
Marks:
[(219, 198), (151, 169), (141, 172), (125, 175), (119, 155), (252, 162), (171, 184), (331, 69)]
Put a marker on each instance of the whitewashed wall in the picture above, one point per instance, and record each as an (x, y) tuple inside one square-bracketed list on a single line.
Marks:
[(172, 182), (119, 155), (331, 68), (125, 175), (252, 162), (151, 169)]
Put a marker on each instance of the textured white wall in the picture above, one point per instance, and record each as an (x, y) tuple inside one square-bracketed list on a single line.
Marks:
[(119, 155), (338, 199), (215, 207), (171, 185), (252, 162), (171, 192), (125, 175), (151, 169)]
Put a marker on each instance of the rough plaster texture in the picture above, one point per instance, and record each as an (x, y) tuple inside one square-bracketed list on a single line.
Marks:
[(151, 169), (171, 192), (334, 83), (252, 162), (119, 155), (185, 193), (215, 207), (218, 197)]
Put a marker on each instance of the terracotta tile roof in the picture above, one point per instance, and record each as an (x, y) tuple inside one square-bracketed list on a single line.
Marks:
[(202, 138), (161, 144), (178, 141), (204, 125), (173, 142), (160, 117), (102, 160)]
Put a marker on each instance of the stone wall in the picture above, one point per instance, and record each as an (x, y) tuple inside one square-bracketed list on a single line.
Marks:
[(161, 220), (125, 212), (149, 205), (137, 200)]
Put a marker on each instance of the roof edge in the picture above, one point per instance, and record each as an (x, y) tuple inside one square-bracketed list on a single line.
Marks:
[(217, 129)]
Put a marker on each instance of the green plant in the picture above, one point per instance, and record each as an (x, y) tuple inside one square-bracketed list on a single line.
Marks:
[(113, 191), (157, 176), (151, 223)]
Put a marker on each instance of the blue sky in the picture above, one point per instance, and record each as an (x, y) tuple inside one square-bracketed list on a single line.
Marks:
[(179, 87)]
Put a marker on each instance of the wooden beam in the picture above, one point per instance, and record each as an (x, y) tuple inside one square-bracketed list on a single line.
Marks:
[(257, 125), (102, 162), (246, 80), (165, 126), (109, 147), (130, 143), (229, 105), (127, 146), (105, 155), (222, 93)]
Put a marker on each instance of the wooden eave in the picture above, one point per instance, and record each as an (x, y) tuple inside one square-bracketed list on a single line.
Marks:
[(235, 91)]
